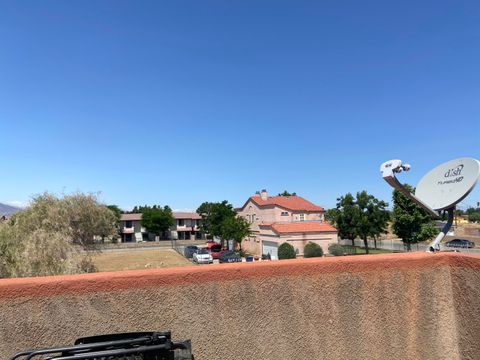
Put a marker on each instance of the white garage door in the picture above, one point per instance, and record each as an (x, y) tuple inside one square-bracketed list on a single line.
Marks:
[(270, 247)]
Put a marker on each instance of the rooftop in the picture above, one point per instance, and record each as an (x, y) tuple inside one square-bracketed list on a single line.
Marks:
[(293, 203), (176, 215)]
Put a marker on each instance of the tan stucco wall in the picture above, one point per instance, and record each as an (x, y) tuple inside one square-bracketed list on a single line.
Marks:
[(252, 245), (401, 306), (299, 240), (274, 214)]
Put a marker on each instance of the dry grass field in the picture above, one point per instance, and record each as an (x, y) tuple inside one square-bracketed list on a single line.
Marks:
[(140, 259)]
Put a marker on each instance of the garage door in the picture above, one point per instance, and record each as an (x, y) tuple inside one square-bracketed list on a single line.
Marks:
[(270, 247)]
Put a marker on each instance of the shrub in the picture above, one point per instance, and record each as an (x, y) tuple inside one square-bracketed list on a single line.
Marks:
[(286, 251), (42, 239), (312, 250), (336, 250)]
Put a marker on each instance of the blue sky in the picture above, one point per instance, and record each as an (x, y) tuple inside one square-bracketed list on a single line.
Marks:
[(180, 102)]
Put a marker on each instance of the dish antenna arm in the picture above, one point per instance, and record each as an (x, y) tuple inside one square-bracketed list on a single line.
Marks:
[(435, 245), (389, 169)]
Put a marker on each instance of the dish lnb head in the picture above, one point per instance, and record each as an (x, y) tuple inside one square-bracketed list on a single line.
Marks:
[(393, 166)]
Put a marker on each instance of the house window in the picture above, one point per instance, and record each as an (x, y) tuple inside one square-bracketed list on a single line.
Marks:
[(301, 217), (284, 213), (254, 217), (128, 223), (181, 222)]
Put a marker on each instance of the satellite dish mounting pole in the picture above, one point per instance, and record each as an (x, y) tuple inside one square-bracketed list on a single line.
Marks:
[(435, 245)]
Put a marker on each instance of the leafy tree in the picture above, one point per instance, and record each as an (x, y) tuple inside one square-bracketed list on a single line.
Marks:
[(236, 228), (213, 215), (286, 251), (312, 250), (363, 216), (472, 210), (219, 219), (336, 250), (43, 239), (372, 217), (118, 214), (411, 223), (157, 220), (473, 214), (286, 193), (474, 217), (344, 217), (116, 211)]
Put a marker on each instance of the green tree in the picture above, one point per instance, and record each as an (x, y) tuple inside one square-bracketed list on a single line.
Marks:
[(312, 250), (116, 211), (286, 193), (364, 216), (410, 222), (157, 220), (213, 215), (235, 228), (372, 217), (474, 217), (286, 251), (345, 217)]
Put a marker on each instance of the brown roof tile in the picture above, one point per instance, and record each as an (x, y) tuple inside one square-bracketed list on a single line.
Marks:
[(131, 217), (176, 215), (294, 203), (186, 215)]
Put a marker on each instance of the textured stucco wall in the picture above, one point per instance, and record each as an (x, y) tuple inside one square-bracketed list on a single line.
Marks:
[(405, 306)]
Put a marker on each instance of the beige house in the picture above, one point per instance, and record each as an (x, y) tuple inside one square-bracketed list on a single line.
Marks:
[(278, 219), (186, 227)]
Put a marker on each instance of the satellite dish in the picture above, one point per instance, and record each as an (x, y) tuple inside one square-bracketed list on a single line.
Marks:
[(440, 189), (449, 183)]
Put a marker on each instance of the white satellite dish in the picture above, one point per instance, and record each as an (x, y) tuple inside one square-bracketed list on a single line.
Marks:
[(449, 183), (440, 189)]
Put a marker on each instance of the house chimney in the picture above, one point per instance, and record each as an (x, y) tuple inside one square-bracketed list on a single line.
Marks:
[(264, 195)]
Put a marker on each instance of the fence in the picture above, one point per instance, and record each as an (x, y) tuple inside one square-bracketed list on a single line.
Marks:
[(396, 245)]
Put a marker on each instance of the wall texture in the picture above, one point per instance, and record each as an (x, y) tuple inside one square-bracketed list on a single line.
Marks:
[(401, 306)]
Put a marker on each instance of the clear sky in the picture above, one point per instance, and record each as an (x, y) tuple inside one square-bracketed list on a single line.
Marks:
[(180, 102)]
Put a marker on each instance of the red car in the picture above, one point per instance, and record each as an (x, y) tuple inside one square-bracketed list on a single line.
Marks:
[(214, 249)]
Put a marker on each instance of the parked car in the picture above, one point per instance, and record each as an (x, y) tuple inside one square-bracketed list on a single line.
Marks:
[(460, 243), (202, 256), (214, 248), (190, 250), (229, 256)]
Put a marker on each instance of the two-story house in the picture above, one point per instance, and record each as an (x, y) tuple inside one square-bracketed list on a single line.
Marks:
[(278, 219), (186, 227)]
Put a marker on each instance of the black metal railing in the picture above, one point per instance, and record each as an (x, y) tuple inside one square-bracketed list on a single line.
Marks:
[(125, 346)]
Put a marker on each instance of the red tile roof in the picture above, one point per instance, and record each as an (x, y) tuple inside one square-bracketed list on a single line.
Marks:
[(300, 227), (294, 203)]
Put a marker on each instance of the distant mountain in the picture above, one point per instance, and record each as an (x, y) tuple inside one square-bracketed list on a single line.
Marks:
[(8, 209)]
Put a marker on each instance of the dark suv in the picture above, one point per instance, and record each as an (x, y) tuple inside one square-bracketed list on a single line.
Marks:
[(190, 250), (229, 256), (460, 243)]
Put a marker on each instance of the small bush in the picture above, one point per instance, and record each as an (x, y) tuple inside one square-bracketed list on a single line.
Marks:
[(286, 251), (336, 250), (312, 250)]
